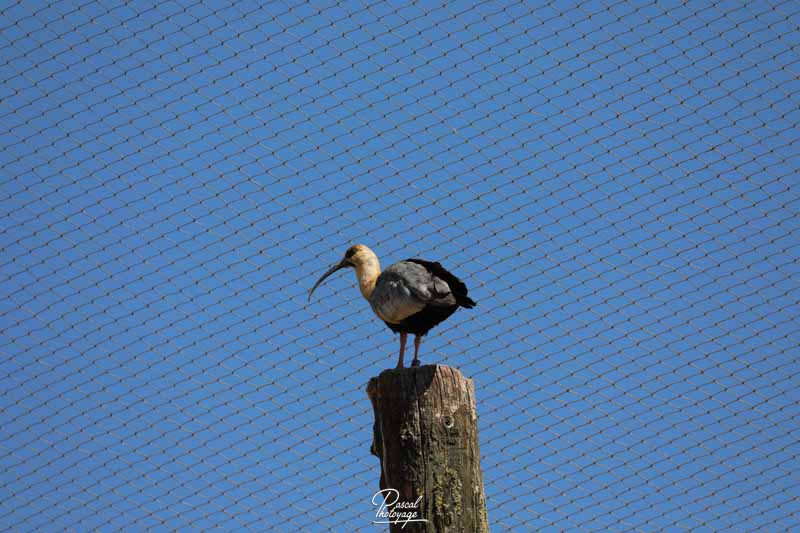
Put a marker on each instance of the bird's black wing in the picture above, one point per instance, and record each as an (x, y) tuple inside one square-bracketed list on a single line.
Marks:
[(457, 287)]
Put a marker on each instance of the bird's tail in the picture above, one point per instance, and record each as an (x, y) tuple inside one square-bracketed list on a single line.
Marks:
[(465, 301)]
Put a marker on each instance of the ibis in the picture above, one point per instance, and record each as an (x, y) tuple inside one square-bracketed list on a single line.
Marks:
[(411, 296)]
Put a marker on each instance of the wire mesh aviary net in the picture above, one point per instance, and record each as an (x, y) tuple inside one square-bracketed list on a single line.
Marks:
[(617, 184)]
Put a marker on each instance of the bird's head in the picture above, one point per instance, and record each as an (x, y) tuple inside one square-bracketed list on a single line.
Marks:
[(362, 259)]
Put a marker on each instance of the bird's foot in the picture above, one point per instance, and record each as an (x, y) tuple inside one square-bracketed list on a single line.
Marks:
[(415, 362)]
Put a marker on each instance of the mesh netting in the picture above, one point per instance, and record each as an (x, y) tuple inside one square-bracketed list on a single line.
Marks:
[(615, 182)]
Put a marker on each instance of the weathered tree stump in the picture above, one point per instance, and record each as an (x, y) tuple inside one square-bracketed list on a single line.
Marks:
[(426, 437)]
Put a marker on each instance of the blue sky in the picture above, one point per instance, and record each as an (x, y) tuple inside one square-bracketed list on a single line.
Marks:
[(616, 183)]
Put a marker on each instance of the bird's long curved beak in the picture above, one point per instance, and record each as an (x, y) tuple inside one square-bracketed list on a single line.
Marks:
[(336, 266)]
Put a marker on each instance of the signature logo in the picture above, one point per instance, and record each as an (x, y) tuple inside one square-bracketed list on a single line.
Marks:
[(392, 511)]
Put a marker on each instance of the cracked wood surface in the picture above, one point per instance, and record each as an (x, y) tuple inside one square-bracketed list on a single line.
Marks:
[(426, 437)]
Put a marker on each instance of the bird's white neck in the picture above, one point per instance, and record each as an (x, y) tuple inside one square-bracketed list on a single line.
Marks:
[(367, 273)]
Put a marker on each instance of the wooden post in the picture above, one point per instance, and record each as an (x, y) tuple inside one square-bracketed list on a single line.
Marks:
[(426, 437)]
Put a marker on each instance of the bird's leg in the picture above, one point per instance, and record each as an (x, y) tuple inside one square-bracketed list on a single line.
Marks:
[(403, 337), (417, 340)]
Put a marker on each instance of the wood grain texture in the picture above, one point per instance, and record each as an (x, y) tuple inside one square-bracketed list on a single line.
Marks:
[(426, 437)]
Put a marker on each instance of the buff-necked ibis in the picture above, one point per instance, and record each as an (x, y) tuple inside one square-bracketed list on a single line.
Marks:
[(411, 296)]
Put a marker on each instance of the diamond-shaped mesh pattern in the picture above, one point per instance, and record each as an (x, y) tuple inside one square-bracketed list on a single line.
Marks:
[(617, 183)]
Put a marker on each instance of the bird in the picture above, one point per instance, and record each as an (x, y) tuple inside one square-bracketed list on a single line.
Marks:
[(410, 296)]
